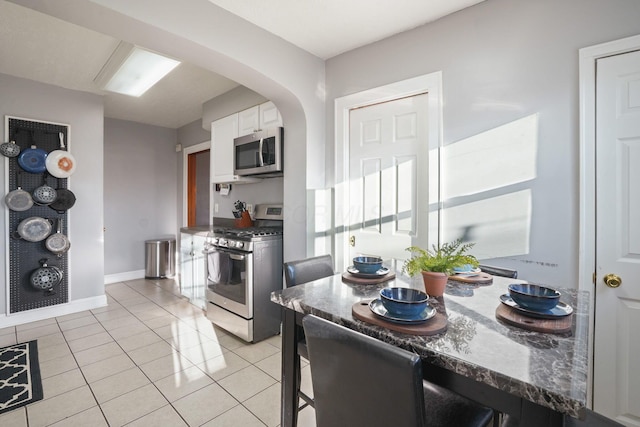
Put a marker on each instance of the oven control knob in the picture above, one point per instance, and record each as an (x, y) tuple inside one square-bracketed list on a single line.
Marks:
[(222, 242), (239, 245)]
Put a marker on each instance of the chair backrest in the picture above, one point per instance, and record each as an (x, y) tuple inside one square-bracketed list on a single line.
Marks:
[(361, 381), (308, 270), (499, 271)]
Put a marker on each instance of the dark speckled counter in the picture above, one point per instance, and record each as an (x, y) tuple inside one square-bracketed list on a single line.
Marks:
[(535, 376)]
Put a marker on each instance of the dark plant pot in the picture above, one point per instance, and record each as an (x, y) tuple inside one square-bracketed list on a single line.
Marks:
[(434, 283)]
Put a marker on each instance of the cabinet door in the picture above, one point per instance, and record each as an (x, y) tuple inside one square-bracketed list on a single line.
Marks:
[(269, 116), (248, 121), (186, 265), (222, 133), (199, 272)]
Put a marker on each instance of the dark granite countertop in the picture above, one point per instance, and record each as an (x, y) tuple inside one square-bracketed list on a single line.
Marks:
[(548, 369)]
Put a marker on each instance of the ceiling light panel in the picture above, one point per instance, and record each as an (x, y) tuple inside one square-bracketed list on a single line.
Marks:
[(132, 70)]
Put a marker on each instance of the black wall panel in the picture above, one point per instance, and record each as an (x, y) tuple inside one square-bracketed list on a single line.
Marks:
[(25, 256)]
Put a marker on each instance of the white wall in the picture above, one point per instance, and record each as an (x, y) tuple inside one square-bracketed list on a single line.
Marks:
[(140, 192), (84, 114), (510, 77)]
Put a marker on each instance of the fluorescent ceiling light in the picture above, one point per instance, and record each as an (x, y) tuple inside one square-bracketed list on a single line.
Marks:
[(132, 70)]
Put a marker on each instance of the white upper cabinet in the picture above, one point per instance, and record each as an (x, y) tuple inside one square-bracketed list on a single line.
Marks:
[(269, 115), (249, 121), (257, 118), (224, 130)]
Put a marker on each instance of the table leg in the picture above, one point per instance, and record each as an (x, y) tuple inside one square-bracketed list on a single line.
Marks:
[(532, 415), (290, 369)]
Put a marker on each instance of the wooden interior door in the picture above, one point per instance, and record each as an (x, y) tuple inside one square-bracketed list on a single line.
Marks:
[(198, 188)]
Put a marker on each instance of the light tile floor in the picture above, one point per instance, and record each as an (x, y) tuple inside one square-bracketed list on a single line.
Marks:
[(150, 358)]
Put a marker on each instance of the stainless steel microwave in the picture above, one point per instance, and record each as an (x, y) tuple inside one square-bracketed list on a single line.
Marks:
[(259, 153)]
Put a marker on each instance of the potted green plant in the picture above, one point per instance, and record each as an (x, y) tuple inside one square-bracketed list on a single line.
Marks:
[(437, 264)]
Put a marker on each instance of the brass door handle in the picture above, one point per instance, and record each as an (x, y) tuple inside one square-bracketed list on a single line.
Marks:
[(612, 280)]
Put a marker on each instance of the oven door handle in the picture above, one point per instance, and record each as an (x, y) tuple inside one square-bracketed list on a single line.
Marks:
[(232, 254), (237, 257)]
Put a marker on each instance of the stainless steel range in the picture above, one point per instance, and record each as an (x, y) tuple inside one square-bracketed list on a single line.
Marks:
[(244, 265)]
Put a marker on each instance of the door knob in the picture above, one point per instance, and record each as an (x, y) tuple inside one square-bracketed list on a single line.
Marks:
[(352, 240), (612, 280)]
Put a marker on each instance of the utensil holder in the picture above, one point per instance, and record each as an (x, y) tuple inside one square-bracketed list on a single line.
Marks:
[(244, 221)]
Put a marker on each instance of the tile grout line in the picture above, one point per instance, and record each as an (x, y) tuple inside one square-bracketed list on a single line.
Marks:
[(177, 351), (193, 326)]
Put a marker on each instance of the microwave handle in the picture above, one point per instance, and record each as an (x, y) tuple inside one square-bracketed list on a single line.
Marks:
[(260, 153)]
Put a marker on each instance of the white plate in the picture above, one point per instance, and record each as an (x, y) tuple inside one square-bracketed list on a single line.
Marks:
[(379, 310), (383, 271)]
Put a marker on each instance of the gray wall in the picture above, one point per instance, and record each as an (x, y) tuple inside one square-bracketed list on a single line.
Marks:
[(84, 114), (503, 61), (139, 191), (269, 190)]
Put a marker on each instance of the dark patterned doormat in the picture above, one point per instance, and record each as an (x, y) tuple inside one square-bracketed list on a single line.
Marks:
[(20, 382)]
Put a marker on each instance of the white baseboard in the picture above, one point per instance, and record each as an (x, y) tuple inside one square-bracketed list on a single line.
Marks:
[(53, 311), (122, 277)]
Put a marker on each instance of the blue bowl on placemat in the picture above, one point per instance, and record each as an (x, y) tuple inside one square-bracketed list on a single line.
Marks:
[(404, 302), (534, 297), (367, 264)]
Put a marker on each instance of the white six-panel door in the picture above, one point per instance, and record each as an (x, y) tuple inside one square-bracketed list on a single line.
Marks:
[(616, 388), (388, 167)]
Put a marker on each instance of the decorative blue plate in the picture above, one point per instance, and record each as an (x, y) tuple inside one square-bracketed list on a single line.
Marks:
[(560, 310), (383, 271), (379, 310), (33, 160)]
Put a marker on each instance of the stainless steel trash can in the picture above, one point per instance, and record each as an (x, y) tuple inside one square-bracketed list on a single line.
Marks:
[(160, 258)]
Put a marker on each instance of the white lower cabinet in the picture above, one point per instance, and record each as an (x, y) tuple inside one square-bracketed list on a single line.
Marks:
[(193, 280)]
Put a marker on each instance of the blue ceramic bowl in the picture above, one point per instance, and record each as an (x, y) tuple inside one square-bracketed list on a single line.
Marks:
[(534, 297), (463, 269), (367, 264), (404, 302)]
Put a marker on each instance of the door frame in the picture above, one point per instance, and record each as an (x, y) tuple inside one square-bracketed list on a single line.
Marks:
[(428, 83), (185, 178), (588, 58)]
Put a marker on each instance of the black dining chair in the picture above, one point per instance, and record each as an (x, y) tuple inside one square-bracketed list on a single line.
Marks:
[(499, 271), (296, 273), (361, 381), (307, 270)]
